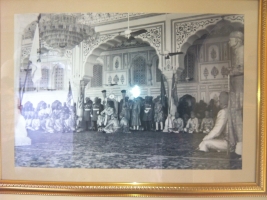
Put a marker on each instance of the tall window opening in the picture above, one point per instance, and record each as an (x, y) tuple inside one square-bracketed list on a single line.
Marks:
[(45, 78), (189, 65), (139, 71), (97, 76), (59, 78), (158, 72)]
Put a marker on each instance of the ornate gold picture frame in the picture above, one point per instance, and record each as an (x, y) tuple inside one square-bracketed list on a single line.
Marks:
[(249, 181)]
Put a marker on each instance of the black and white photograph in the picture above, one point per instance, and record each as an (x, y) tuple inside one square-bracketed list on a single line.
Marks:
[(129, 90)]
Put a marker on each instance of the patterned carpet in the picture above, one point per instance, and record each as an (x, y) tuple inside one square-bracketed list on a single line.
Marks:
[(136, 150)]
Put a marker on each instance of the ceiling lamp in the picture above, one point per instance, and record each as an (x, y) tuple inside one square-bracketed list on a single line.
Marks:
[(62, 32)]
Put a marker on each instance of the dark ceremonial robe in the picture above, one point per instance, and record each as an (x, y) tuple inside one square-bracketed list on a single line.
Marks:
[(136, 114), (148, 112), (97, 109), (88, 111)]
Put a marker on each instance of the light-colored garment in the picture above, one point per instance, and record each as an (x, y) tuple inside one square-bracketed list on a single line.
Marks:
[(192, 125), (158, 114), (49, 125), (43, 123), (178, 125), (58, 126), (69, 124), (80, 108), (42, 112), (168, 124), (216, 138), (48, 111), (101, 120), (112, 126), (206, 125), (173, 109), (107, 113), (28, 123), (36, 124), (217, 144)]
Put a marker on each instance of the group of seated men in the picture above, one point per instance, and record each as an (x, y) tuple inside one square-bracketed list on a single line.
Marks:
[(50, 119)]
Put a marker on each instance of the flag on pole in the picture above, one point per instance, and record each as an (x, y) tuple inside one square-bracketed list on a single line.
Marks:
[(174, 97), (163, 93), (174, 94), (70, 97), (34, 56)]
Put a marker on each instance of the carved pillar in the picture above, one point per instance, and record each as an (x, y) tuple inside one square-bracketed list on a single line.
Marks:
[(75, 86), (77, 77), (149, 73), (80, 99), (168, 78)]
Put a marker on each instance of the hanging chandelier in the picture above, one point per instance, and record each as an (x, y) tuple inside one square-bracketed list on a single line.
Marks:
[(62, 32)]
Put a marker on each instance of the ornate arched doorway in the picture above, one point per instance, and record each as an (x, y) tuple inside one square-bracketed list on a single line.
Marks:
[(124, 64), (187, 32)]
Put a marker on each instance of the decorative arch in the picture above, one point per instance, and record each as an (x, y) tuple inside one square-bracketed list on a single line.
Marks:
[(188, 32), (95, 45)]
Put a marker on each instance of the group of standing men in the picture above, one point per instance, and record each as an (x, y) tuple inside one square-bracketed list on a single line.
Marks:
[(110, 116)]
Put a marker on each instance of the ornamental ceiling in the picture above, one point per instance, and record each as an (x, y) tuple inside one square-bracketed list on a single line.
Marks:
[(96, 19)]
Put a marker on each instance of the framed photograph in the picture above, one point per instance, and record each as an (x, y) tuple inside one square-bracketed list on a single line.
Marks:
[(133, 98)]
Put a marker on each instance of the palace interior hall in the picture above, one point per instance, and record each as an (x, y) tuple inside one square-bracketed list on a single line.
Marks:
[(107, 57), (86, 53)]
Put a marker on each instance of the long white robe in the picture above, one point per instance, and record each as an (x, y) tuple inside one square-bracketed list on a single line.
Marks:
[(215, 139)]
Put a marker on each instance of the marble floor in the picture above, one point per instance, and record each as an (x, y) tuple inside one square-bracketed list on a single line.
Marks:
[(135, 150)]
